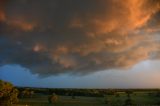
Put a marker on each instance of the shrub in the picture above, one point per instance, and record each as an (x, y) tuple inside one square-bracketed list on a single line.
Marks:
[(8, 94), (53, 98), (129, 92), (27, 93)]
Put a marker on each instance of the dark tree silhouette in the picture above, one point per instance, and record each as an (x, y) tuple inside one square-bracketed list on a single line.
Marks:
[(26, 93)]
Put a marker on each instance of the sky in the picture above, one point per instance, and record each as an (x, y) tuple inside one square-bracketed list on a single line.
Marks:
[(80, 43)]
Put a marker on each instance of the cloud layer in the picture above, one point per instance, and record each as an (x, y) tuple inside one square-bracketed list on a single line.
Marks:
[(78, 36)]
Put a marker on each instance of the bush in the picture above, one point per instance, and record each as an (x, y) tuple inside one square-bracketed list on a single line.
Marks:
[(53, 98), (27, 93), (129, 92), (8, 94)]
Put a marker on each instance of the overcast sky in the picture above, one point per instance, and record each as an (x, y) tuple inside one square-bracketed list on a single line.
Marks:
[(80, 43)]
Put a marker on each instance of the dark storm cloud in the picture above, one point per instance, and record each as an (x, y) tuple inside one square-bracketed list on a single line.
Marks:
[(78, 36)]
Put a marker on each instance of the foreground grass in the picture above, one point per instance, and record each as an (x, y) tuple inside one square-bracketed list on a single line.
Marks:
[(138, 98), (63, 101)]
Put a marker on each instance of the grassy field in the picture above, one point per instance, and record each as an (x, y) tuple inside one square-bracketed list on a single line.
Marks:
[(138, 98), (64, 101)]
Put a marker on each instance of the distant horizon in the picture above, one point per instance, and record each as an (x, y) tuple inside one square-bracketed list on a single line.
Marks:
[(85, 88), (104, 79), (91, 88)]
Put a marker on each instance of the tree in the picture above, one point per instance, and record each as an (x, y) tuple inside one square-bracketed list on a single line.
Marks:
[(129, 92), (27, 93), (53, 98), (31, 93), (8, 94)]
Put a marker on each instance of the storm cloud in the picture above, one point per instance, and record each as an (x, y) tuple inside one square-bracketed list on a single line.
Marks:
[(78, 36)]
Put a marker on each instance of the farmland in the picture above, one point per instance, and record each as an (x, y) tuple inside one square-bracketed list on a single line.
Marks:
[(28, 96), (92, 97)]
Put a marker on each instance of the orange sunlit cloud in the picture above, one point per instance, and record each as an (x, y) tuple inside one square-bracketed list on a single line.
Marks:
[(81, 37), (2, 16), (22, 25), (2, 13)]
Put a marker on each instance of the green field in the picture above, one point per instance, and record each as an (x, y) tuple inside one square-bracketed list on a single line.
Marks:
[(64, 101), (138, 98)]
